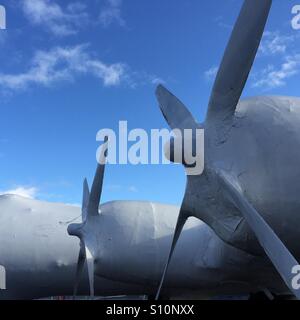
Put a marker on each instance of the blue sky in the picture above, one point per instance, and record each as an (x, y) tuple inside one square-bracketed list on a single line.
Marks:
[(69, 68)]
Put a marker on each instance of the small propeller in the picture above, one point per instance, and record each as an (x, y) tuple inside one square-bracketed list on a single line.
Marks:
[(90, 209)]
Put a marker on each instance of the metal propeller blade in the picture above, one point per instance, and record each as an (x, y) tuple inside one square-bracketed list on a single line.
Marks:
[(90, 266), (79, 269), (85, 200), (238, 59), (85, 255), (178, 117), (81, 255), (96, 191), (174, 111), (179, 226), (278, 253)]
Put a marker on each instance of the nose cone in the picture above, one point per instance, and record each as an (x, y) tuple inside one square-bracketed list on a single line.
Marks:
[(74, 229)]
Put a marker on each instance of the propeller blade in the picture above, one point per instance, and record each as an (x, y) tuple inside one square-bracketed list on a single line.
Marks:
[(85, 199), (174, 111), (238, 59), (179, 226), (278, 253), (79, 270), (90, 266), (96, 191)]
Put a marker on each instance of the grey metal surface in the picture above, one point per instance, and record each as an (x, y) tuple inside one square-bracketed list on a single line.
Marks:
[(37, 253), (133, 239)]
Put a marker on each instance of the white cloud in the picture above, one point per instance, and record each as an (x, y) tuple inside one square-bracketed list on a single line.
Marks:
[(285, 63), (272, 77), (59, 21), (112, 13), (26, 192), (49, 67), (275, 43), (211, 73), (156, 80), (141, 78)]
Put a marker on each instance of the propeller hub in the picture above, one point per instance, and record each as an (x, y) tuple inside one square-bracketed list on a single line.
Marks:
[(75, 229)]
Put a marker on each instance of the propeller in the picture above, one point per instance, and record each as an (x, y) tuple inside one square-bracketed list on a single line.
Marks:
[(229, 84), (90, 210)]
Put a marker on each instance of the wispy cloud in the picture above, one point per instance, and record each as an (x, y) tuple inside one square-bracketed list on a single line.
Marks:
[(156, 80), (58, 64), (111, 13), (26, 192), (283, 56), (275, 43), (136, 79), (273, 77), (211, 73), (60, 21)]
